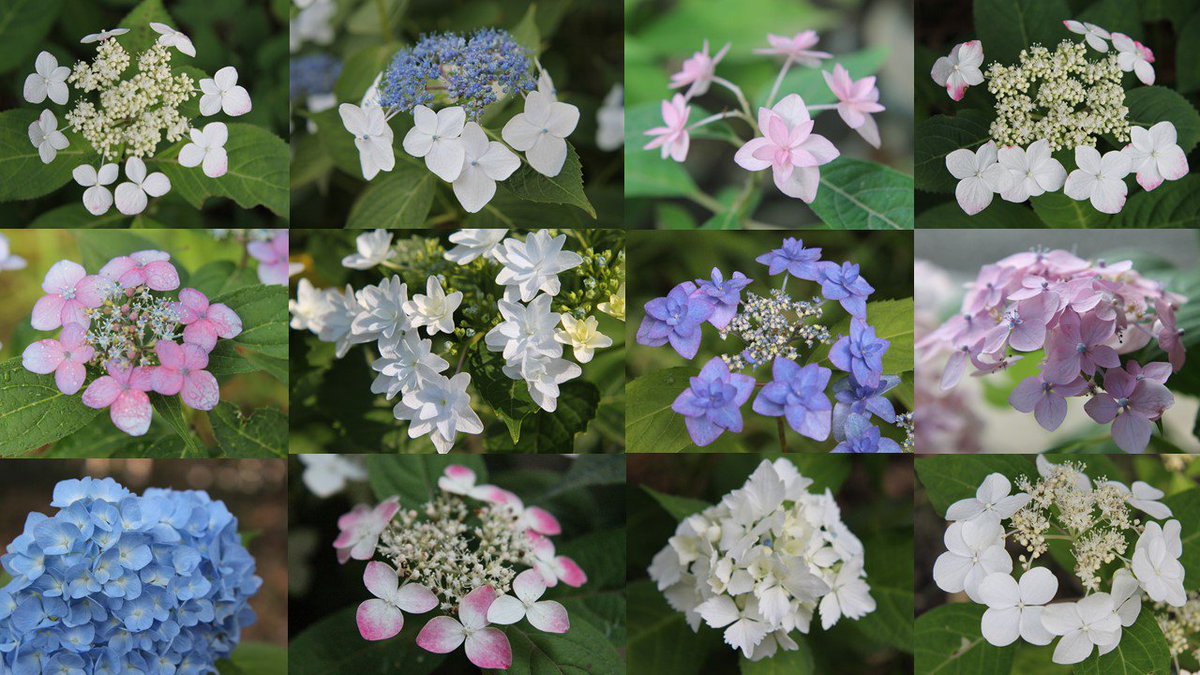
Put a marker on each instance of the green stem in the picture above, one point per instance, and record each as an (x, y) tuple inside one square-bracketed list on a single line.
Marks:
[(779, 80), (782, 435), (707, 202)]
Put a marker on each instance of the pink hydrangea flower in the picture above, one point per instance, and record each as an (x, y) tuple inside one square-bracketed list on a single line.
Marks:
[(1169, 334), (789, 148), (66, 357), (460, 480), (360, 529), (69, 292), (554, 568), (182, 371), (1046, 399), (672, 138), (152, 269), (698, 71), (856, 102), (205, 323), (533, 518), (1080, 344), (272, 256), (382, 617), (123, 392), (486, 647), (1132, 405), (526, 603), (798, 48)]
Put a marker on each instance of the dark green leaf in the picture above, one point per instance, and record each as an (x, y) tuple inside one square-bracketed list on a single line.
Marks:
[(255, 658), (791, 662), (22, 174), (33, 412), (948, 642), (414, 478), (509, 398), (1056, 209), (257, 176), (1173, 204), (333, 646), (858, 195), (999, 215), (23, 25), (263, 433), (1008, 26), (660, 640), (565, 188), (941, 135), (1185, 507), (582, 649), (890, 574), (100, 246), (399, 199), (948, 478), (264, 315), (1150, 105), (140, 36), (678, 507), (170, 410)]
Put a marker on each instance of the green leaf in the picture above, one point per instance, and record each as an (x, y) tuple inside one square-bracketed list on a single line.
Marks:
[(257, 176), (22, 174), (941, 135), (33, 412), (889, 567), (651, 425), (263, 433), (1185, 507), (219, 277), (948, 642), (255, 658), (858, 195), (414, 478), (792, 662), (73, 217), (140, 36), (660, 640), (892, 321), (948, 479), (555, 432), (98, 247), (1056, 209), (1175, 204), (526, 31), (1187, 56), (646, 173), (999, 215), (23, 26), (678, 507), (333, 646), (509, 398), (264, 315), (582, 649), (1007, 26), (1151, 105), (565, 188), (399, 199), (1143, 649), (170, 410)]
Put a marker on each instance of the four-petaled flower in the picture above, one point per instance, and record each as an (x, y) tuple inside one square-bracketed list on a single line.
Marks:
[(485, 163), (1032, 171), (1131, 405), (545, 615), (960, 69), (204, 323), (697, 72), (1015, 608), (1100, 180), (222, 93), (860, 353), (361, 527), (123, 392), (1133, 56), (45, 136), (382, 617), (70, 292), (133, 195), (974, 549), (793, 258), (1154, 154), (856, 102), (673, 138), (170, 37), (66, 357), (274, 268), (182, 371), (436, 136), (97, 198), (798, 48), (541, 131), (207, 148), (1091, 622), (372, 137), (980, 175), (797, 394), (1047, 398), (1156, 563), (48, 80), (991, 502), (723, 294), (711, 404), (486, 647), (152, 269), (789, 148)]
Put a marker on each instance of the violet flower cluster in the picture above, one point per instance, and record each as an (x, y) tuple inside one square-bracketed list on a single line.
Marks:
[(781, 135), (1079, 317), (128, 327), (117, 583), (459, 554), (782, 333)]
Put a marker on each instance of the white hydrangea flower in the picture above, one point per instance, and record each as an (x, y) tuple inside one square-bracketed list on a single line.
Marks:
[(309, 306), (1032, 171), (405, 366), (97, 198), (1089, 623), (1134, 57), (102, 35), (434, 309), (849, 596), (980, 176), (974, 549), (533, 266), (1015, 608), (334, 324), (1156, 563), (313, 24), (441, 409), (48, 80), (583, 336), (991, 501), (1154, 154), (382, 318), (471, 244), (526, 331), (372, 249), (207, 148), (960, 69), (169, 37), (223, 93), (543, 374), (132, 196), (436, 137), (1100, 180), (1144, 497), (540, 132), (1096, 37), (485, 163), (372, 136), (45, 136), (327, 475)]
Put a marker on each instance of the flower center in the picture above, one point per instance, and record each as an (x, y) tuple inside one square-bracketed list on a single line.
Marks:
[(68, 293), (1080, 348)]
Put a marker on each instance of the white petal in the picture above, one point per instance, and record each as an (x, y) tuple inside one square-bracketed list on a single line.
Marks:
[(506, 610), (1109, 195), (417, 142), (564, 117), (961, 163), (1079, 185), (58, 92), (520, 133), (130, 199), (216, 163), (425, 119), (474, 189), (210, 104), (156, 184), (973, 195), (216, 135), (547, 155), (191, 155), (445, 159), (1074, 647), (97, 200), (1032, 630), (47, 152), (450, 122), (353, 118), (35, 88), (1038, 586), (499, 162), (1001, 627), (84, 174), (226, 78), (236, 101)]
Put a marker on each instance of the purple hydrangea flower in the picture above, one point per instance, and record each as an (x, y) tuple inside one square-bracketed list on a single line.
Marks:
[(862, 437), (797, 394), (794, 259), (711, 405), (676, 319), (860, 353), (723, 294), (846, 286), (1046, 398), (1132, 405), (856, 399), (1080, 345)]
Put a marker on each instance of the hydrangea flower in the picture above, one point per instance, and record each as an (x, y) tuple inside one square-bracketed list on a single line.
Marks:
[(205, 323), (223, 93), (207, 149), (533, 266), (673, 137), (793, 258), (540, 131), (382, 617), (66, 357), (48, 80), (853, 398), (547, 616), (45, 136), (160, 579), (485, 163), (360, 529), (789, 148), (798, 48), (960, 69), (435, 309), (711, 404), (1135, 57), (1099, 180), (1155, 156), (980, 176), (859, 436), (182, 371), (274, 268), (372, 137), (133, 195), (373, 248), (123, 391), (583, 336), (436, 137), (441, 409), (856, 102), (846, 286), (697, 72), (70, 292), (472, 244), (152, 269), (860, 353), (1131, 405), (725, 296), (797, 394), (675, 319)]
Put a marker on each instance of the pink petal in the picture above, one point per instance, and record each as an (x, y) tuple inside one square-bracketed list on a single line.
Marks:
[(193, 300), (170, 354), (380, 579), (118, 267), (194, 357), (474, 607), (93, 291), (69, 377), (570, 573), (261, 251), (385, 511), (202, 334), (142, 378), (131, 412), (1102, 408), (548, 616), (460, 473), (542, 521), (42, 357), (1131, 432), (73, 337), (200, 390), (228, 323), (47, 312), (74, 311), (489, 648), (161, 276), (378, 620), (63, 275), (441, 635), (101, 393), (274, 274), (167, 381), (415, 598), (1050, 412)]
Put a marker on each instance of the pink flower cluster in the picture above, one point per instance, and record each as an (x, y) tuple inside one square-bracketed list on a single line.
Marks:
[(382, 618), (122, 322), (1083, 316)]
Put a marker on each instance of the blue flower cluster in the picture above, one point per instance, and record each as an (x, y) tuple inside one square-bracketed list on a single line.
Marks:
[(471, 72), (116, 583), (796, 393), (312, 75)]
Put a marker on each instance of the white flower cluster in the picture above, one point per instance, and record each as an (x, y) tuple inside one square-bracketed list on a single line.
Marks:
[(1060, 100), (129, 113), (759, 563), (408, 368), (1095, 519)]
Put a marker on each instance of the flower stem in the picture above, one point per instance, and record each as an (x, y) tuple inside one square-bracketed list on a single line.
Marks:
[(741, 100), (713, 118), (824, 106), (782, 435), (779, 80)]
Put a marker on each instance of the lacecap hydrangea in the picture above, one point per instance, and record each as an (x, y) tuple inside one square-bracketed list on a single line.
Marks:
[(117, 583)]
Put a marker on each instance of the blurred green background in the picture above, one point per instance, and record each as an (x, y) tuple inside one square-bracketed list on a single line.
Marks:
[(870, 37), (875, 494), (659, 261), (250, 35)]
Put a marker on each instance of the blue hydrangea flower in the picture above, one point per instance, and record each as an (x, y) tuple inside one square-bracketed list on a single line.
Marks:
[(471, 72), (312, 75), (860, 353), (725, 295), (862, 437), (846, 286), (676, 319), (116, 583), (856, 399), (711, 405), (794, 259), (797, 394)]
